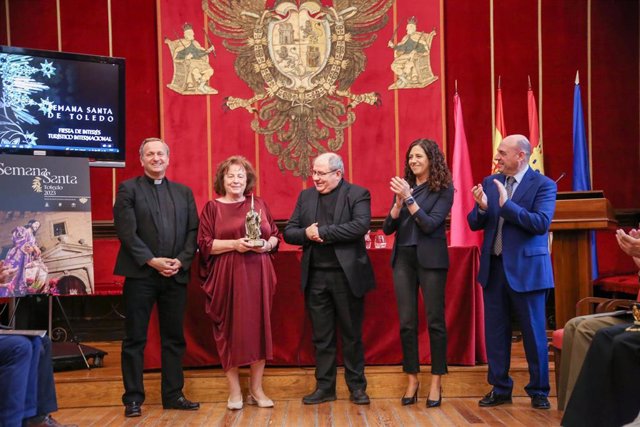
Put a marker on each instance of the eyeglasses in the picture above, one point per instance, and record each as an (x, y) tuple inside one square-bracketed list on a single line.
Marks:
[(323, 174)]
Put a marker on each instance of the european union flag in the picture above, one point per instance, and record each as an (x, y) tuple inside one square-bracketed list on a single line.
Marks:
[(581, 175)]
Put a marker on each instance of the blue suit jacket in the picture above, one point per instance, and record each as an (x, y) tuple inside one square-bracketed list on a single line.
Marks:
[(525, 232)]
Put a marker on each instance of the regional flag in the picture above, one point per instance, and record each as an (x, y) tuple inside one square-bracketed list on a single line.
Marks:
[(461, 234)]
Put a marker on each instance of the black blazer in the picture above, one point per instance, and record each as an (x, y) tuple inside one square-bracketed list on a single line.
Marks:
[(352, 218), (430, 219), (136, 225)]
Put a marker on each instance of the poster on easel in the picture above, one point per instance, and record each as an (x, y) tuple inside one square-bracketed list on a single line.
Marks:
[(45, 226)]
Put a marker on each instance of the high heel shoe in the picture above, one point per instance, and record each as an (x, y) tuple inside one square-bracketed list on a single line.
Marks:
[(410, 400), (234, 405), (434, 403), (264, 403)]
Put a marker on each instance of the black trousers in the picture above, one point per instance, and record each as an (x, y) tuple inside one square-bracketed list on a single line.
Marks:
[(408, 277), (327, 298), (606, 392), (140, 295)]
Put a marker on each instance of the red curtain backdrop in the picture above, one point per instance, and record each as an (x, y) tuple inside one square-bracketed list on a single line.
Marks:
[(611, 92), (135, 33), (202, 134)]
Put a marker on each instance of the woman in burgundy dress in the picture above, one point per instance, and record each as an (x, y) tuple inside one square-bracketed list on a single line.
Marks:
[(239, 278)]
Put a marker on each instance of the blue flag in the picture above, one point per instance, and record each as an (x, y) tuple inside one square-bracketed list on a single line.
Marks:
[(581, 175)]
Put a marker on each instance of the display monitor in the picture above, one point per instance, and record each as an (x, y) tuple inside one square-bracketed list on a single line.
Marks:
[(62, 104)]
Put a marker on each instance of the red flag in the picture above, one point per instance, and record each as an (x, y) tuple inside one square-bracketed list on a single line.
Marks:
[(461, 234), (537, 160), (500, 132)]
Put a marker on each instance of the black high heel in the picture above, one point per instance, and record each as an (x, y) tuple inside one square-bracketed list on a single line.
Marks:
[(410, 400), (434, 403)]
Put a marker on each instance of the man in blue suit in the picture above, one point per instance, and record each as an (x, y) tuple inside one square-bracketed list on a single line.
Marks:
[(515, 208)]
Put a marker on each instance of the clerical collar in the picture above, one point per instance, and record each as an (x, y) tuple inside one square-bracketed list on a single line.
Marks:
[(154, 181)]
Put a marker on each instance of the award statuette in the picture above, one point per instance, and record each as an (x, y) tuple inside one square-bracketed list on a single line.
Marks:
[(636, 316), (252, 227)]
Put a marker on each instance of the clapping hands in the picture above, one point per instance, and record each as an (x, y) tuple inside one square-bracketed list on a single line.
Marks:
[(480, 196), (629, 243)]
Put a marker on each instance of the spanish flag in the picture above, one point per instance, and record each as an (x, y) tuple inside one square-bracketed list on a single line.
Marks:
[(500, 132)]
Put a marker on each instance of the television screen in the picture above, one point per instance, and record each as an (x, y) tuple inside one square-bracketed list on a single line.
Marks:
[(62, 104)]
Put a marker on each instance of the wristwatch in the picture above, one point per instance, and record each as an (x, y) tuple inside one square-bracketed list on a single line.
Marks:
[(409, 201)]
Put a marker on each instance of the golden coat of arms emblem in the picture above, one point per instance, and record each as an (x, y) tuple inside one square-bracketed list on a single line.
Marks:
[(300, 59)]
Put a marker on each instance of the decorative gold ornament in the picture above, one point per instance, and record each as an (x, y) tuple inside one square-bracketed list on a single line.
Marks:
[(36, 185), (300, 61)]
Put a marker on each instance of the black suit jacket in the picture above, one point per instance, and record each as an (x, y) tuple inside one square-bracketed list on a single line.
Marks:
[(432, 240), (136, 222), (352, 217)]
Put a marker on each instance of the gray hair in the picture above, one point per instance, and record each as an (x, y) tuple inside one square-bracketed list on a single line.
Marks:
[(147, 140), (334, 161)]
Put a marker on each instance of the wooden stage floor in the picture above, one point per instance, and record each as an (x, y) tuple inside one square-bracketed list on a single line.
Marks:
[(93, 398)]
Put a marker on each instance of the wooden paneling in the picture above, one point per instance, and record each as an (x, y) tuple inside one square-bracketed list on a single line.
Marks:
[(103, 386)]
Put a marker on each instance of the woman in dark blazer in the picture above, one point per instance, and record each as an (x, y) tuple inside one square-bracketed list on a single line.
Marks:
[(420, 260)]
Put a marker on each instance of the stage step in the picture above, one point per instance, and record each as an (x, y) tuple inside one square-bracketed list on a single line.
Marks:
[(103, 386)]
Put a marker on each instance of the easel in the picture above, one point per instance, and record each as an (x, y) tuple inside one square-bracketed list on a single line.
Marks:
[(13, 307), (47, 210)]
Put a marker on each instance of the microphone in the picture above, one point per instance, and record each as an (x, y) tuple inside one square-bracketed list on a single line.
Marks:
[(562, 175)]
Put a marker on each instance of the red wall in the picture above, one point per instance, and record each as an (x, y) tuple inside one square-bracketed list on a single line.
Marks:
[(610, 90), (611, 94)]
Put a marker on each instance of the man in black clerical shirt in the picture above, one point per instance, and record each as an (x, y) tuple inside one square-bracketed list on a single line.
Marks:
[(329, 222), (157, 222)]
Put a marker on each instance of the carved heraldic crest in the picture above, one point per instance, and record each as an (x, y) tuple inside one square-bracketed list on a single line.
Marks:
[(300, 60)]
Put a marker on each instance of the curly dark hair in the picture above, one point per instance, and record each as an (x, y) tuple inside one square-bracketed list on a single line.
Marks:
[(439, 173), (223, 168)]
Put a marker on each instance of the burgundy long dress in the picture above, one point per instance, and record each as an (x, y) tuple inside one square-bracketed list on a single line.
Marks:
[(239, 286)]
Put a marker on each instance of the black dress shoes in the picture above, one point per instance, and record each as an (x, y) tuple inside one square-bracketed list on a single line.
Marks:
[(540, 401), (182, 404), (133, 409), (494, 399), (318, 396), (359, 397)]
